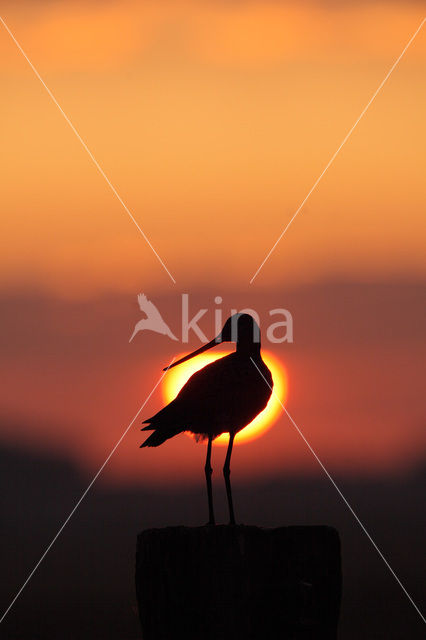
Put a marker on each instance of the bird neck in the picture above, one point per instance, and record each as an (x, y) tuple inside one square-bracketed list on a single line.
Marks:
[(249, 349)]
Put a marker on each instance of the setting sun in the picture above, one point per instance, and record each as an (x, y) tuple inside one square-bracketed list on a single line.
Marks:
[(176, 378)]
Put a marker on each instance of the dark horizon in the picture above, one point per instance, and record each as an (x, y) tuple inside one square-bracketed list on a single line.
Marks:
[(85, 584)]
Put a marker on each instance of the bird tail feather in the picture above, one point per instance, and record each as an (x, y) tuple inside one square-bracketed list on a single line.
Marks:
[(156, 438)]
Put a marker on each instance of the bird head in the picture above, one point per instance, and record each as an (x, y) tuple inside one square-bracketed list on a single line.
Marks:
[(240, 328)]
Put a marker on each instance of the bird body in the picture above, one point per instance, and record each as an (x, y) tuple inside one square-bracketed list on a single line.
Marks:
[(223, 397)]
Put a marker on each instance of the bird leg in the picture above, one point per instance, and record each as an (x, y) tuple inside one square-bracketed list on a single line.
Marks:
[(227, 473), (208, 471)]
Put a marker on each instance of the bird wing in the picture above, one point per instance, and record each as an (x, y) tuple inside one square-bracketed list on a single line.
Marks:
[(149, 309), (142, 300)]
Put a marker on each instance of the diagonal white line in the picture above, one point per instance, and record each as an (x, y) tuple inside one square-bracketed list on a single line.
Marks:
[(80, 500), (345, 139), (90, 154), (342, 496)]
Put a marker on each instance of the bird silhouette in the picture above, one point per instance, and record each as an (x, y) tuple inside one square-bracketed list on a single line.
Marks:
[(222, 397), (153, 321)]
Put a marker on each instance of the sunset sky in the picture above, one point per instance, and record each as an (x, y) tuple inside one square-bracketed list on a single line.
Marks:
[(213, 120)]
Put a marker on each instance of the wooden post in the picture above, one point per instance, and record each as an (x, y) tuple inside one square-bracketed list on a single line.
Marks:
[(239, 582)]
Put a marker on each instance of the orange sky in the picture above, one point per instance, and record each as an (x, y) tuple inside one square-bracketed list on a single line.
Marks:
[(212, 120)]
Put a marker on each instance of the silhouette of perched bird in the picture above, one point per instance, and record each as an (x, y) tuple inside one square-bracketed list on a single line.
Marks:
[(222, 397), (153, 320)]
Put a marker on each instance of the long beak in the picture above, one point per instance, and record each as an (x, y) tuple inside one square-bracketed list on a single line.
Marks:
[(209, 345)]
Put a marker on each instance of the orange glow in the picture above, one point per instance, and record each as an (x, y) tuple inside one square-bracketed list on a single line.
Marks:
[(177, 377), (236, 107)]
